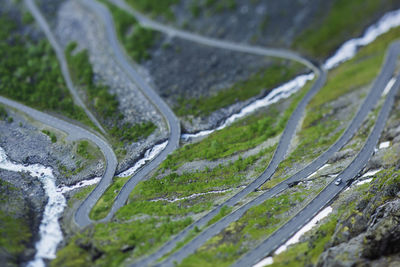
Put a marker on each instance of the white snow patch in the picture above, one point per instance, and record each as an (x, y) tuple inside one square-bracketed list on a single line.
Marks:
[(283, 91), (320, 169), (364, 181), (349, 48), (384, 145), (389, 86), (371, 173), (148, 155), (295, 239), (265, 262), (49, 230)]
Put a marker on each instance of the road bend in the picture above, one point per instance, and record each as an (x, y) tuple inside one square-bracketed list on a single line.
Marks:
[(370, 101), (172, 121), (328, 194), (61, 58), (75, 133), (208, 41)]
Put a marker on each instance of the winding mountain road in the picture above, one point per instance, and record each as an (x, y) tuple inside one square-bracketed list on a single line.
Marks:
[(172, 121), (280, 236), (75, 133), (61, 58), (370, 101), (208, 41)]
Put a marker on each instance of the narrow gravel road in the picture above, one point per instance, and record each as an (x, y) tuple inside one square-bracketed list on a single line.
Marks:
[(61, 58), (331, 191)]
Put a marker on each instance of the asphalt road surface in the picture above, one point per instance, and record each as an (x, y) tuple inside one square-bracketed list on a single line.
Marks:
[(329, 193), (171, 120), (75, 133), (370, 101)]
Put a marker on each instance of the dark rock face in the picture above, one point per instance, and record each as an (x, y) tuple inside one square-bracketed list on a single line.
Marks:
[(275, 22), (22, 200), (371, 235), (383, 238)]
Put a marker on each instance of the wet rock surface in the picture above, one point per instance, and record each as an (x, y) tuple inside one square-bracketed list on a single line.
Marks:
[(25, 143)]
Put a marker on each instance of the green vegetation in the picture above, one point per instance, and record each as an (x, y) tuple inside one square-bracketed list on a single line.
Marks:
[(308, 252), (225, 210), (133, 133), (102, 102), (320, 128), (87, 153), (15, 234), (254, 226), (339, 25), (103, 206), (52, 135), (109, 244), (240, 136), (30, 73), (155, 7), (211, 7), (83, 148), (262, 81), (153, 205), (81, 194), (3, 114), (136, 39), (221, 177)]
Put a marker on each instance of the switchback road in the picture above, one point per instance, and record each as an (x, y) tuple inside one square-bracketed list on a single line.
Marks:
[(172, 121), (75, 133), (331, 191), (370, 101)]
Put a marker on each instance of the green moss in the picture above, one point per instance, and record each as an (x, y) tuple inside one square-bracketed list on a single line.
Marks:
[(3, 113), (81, 194)]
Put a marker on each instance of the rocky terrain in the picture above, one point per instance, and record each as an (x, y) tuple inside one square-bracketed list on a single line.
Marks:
[(369, 234), (267, 23), (22, 201), (24, 142), (75, 23), (197, 71)]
